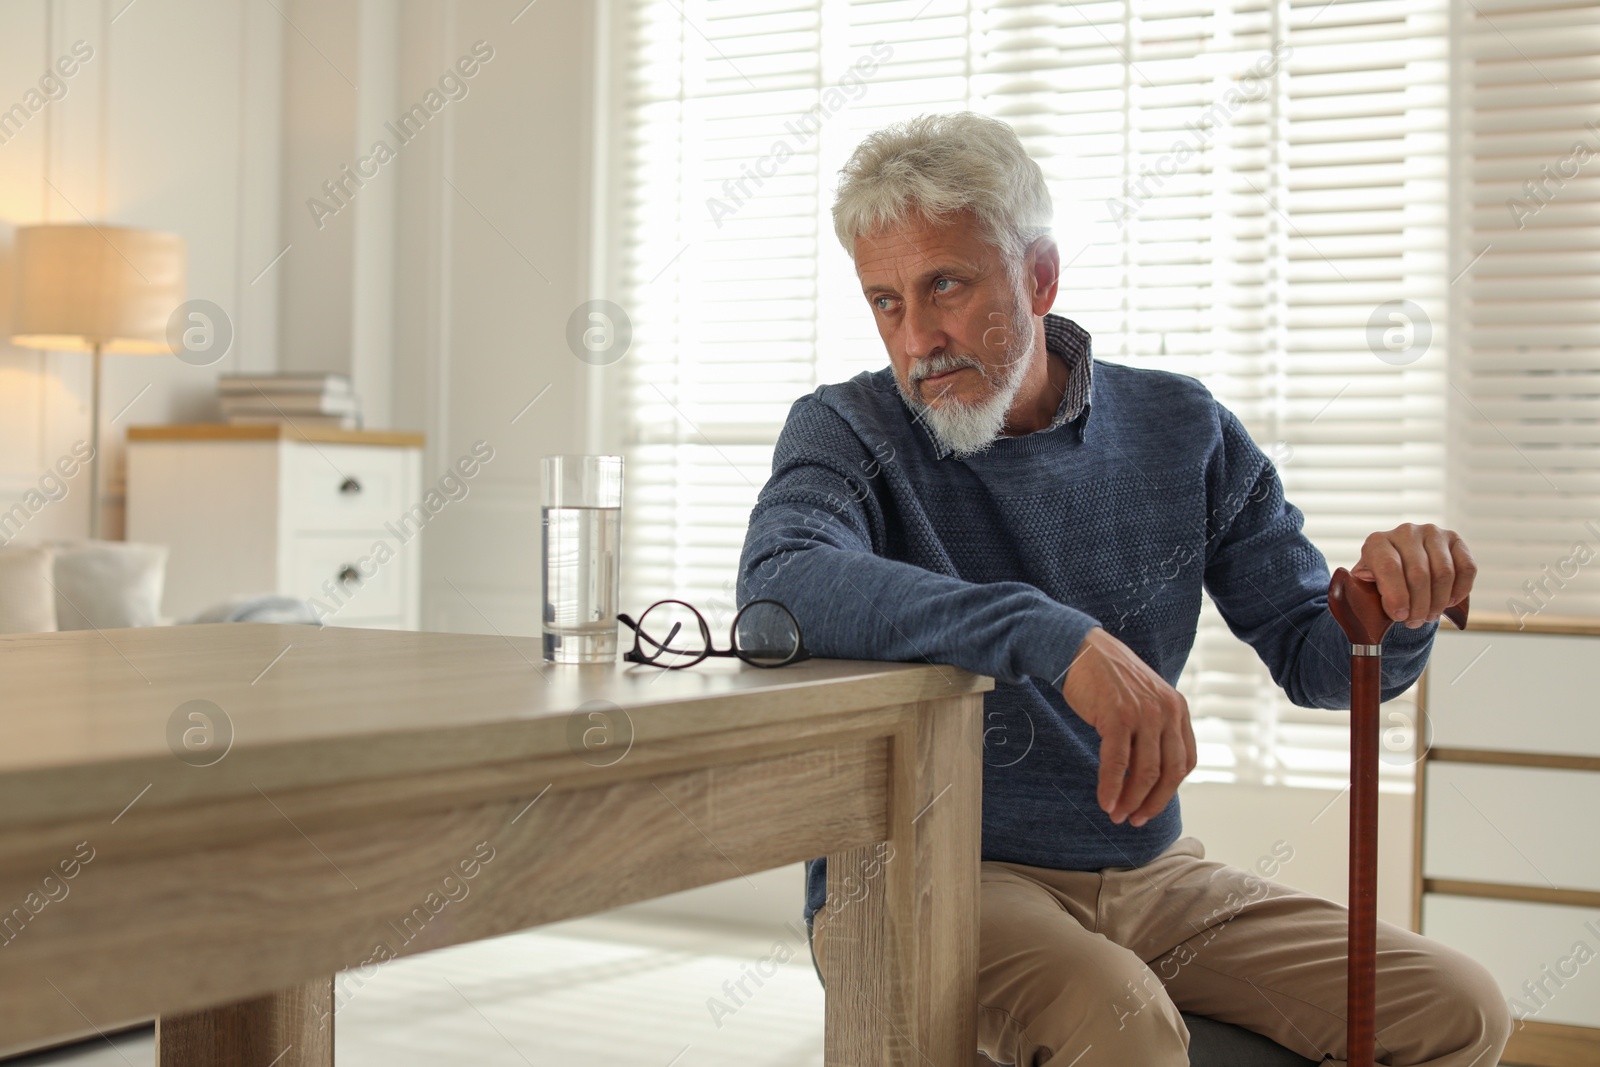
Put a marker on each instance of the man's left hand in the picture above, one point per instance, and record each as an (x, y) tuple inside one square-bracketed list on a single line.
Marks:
[(1420, 571)]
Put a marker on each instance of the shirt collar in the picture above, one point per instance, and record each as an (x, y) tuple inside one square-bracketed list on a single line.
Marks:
[(1070, 342)]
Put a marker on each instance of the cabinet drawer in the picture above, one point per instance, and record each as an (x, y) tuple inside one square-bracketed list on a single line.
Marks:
[(1525, 825), (376, 593), (1521, 942), (1516, 692), (343, 487)]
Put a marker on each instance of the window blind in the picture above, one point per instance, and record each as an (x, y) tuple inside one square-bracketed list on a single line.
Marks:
[(1239, 186), (1525, 393)]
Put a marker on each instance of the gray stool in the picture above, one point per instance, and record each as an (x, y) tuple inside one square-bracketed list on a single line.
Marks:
[(1214, 1044), (1217, 1044)]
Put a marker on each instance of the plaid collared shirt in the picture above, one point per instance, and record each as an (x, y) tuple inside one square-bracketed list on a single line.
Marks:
[(1070, 342)]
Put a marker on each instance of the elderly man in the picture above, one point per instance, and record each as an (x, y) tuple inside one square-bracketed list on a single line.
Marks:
[(999, 500)]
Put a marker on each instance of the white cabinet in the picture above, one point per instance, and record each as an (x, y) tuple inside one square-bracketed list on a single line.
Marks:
[(328, 515), (1508, 856), (1515, 690), (1546, 948)]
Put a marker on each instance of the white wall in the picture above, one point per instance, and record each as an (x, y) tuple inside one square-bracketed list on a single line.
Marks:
[(171, 125), (493, 258), (443, 285), (340, 88)]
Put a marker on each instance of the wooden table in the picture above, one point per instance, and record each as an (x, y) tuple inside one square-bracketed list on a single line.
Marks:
[(205, 823)]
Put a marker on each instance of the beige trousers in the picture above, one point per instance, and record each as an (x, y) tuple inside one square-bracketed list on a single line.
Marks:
[(1090, 968)]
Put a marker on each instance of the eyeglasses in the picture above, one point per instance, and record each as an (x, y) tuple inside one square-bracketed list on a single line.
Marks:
[(672, 634)]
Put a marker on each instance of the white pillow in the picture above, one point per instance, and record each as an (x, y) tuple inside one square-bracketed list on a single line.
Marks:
[(27, 603), (108, 584)]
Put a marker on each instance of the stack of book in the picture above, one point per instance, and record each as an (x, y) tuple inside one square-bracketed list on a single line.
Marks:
[(302, 399)]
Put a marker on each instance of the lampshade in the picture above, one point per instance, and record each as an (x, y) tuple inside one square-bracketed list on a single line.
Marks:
[(79, 285)]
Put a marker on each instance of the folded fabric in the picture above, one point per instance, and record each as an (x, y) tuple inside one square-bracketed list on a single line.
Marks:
[(27, 603), (265, 608)]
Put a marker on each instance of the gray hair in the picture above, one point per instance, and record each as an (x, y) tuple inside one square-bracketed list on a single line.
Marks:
[(936, 165)]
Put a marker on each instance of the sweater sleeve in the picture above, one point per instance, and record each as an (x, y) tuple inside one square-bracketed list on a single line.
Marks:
[(815, 544), (1270, 583)]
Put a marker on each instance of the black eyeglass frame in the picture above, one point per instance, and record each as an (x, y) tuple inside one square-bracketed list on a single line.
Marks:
[(636, 655)]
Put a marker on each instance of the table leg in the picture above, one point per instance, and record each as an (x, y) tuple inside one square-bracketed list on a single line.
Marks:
[(902, 942), (290, 1028)]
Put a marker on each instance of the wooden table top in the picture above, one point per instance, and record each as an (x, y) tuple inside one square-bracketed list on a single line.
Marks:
[(90, 717)]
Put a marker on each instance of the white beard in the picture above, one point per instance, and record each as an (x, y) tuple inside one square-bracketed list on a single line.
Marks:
[(970, 429)]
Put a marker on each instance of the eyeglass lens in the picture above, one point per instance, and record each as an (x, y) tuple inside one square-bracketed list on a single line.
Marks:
[(672, 634), (766, 634)]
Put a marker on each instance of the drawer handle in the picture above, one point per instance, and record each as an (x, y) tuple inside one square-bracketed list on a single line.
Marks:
[(349, 574), (350, 486)]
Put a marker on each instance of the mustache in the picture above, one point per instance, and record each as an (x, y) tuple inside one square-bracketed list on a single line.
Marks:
[(942, 363)]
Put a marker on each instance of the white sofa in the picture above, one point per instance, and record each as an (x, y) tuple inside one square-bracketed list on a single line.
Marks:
[(80, 585)]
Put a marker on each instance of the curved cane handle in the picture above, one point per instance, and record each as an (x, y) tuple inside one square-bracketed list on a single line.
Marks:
[(1358, 609)]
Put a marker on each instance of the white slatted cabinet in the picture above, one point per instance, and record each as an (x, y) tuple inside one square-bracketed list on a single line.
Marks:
[(1508, 860)]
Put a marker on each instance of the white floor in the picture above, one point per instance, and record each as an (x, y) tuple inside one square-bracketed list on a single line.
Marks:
[(619, 991)]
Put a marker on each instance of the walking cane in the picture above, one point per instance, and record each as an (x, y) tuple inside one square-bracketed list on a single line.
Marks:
[(1359, 611)]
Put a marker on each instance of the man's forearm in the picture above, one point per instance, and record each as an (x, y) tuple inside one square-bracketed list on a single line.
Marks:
[(853, 604), (1321, 674)]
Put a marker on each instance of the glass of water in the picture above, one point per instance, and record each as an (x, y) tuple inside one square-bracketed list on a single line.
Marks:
[(582, 540)]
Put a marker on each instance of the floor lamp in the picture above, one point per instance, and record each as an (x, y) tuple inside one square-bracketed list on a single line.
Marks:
[(97, 289)]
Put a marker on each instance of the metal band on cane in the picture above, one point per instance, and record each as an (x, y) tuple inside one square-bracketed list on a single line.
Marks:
[(1366, 650)]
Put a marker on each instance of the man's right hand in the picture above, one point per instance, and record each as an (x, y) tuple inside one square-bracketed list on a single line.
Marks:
[(1146, 742)]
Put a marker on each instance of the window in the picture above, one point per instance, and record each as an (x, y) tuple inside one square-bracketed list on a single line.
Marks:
[(1254, 193), (1525, 377)]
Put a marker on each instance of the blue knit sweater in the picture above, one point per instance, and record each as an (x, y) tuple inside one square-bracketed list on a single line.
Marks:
[(1001, 564)]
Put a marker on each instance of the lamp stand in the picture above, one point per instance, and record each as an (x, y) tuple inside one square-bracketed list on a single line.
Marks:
[(94, 448)]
